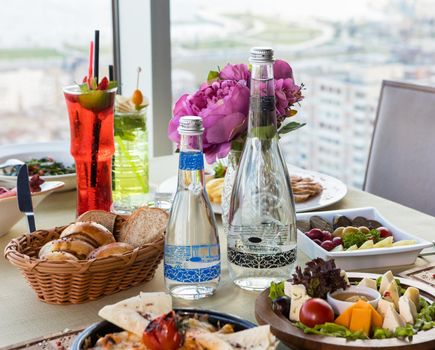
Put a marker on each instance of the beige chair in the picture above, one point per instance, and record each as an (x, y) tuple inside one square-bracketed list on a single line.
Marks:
[(401, 165)]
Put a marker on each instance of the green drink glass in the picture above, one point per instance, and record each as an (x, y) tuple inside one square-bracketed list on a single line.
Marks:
[(130, 163)]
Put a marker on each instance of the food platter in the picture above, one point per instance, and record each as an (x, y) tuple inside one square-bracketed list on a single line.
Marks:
[(333, 190), (89, 336), (59, 151), (297, 339), (367, 258)]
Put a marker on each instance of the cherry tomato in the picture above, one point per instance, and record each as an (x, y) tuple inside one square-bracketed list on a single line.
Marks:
[(384, 232), (162, 333), (316, 311)]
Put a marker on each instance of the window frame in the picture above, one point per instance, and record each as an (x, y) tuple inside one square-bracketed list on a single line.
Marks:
[(141, 37)]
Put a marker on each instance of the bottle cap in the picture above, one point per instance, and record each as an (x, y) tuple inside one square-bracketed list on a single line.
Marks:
[(190, 125), (261, 55)]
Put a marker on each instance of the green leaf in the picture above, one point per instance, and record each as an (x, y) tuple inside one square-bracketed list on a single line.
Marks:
[(276, 290), (112, 84), (292, 126), (212, 76)]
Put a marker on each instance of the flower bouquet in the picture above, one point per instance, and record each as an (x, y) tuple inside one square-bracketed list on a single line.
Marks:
[(223, 104)]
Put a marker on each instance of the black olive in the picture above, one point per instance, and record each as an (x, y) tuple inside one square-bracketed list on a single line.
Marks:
[(282, 306)]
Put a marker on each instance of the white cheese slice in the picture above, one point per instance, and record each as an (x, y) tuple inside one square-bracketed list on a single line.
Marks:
[(298, 296), (383, 306), (414, 295), (392, 320), (407, 309), (287, 288), (367, 245), (368, 282), (392, 294), (387, 278)]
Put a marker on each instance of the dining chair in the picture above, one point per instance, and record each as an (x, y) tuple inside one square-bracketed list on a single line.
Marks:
[(401, 164)]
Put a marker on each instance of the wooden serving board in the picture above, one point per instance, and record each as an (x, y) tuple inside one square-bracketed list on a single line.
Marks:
[(297, 339)]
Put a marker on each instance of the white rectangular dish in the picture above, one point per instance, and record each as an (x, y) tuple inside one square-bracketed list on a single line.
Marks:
[(367, 258)]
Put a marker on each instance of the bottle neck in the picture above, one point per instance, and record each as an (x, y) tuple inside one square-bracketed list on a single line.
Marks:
[(262, 117), (191, 165)]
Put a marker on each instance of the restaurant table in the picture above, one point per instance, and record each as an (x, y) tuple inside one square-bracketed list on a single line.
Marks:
[(23, 316)]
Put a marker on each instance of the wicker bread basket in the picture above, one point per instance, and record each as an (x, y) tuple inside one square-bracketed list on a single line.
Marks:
[(74, 282)]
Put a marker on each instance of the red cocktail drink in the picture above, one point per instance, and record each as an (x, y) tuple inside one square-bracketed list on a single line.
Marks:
[(92, 145)]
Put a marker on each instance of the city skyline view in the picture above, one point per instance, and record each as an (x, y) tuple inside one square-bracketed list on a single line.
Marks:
[(340, 56)]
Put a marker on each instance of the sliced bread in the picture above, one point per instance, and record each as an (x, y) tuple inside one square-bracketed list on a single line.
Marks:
[(145, 225)]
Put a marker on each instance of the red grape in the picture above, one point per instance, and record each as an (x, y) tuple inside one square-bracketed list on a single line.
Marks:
[(327, 245), (384, 232), (327, 236), (315, 233), (316, 311), (337, 241), (317, 241)]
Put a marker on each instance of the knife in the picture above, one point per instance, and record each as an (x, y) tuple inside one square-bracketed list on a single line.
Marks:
[(24, 196)]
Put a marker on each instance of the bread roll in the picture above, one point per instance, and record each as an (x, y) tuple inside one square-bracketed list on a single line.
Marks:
[(80, 249), (116, 248), (145, 225), (101, 217), (90, 232), (60, 256)]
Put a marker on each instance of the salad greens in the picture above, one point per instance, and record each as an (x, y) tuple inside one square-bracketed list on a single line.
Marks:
[(320, 277), (406, 332), (276, 290), (331, 329), (43, 167), (358, 238)]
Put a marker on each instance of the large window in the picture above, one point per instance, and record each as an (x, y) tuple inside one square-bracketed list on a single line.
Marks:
[(340, 49), (43, 47)]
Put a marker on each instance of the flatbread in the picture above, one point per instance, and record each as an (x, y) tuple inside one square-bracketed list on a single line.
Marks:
[(134, 314), (258, 338)]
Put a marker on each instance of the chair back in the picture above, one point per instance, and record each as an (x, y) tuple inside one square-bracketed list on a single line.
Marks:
[(401, 164)]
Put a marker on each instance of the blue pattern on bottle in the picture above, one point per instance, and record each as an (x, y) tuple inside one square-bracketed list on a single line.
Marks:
[(192, 275), (191, 161)]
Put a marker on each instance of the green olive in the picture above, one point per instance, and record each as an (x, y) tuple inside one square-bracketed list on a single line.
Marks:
[(364, 229), (338, 232), (349, 230)]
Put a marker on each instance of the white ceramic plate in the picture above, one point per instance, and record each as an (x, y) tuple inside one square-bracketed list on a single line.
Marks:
[(59, 151), (9, 212), (333, 190), (367, 258)]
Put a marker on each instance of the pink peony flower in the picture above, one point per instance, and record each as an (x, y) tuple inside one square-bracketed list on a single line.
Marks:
[(223, 106)]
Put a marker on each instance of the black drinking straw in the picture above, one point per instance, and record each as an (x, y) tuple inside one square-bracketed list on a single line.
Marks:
[(97, 122), (96, 54), (111, 72)]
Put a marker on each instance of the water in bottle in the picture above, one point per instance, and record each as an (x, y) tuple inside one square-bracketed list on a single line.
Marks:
[(192, 263), (262, 221)]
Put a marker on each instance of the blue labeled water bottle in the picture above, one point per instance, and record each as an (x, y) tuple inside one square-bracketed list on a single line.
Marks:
[(192, 262)]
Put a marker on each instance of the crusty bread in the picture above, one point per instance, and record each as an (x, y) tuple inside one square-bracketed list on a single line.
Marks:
[(110, 249), (101, 217), (60, 256), (90, 232), (145, 225), (80, 249)]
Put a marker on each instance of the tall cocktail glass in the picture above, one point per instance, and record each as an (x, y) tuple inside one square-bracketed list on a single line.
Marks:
[(91, 116)]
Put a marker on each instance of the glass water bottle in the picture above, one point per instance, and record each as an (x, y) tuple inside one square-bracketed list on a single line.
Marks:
[(192, 256), (262, 220)]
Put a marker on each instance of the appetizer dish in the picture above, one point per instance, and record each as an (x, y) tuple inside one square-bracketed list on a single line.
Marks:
[(321, 300), (50, 160), (45, 166), (9, 212), (148, 322), (357, 239), (345, 234)]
